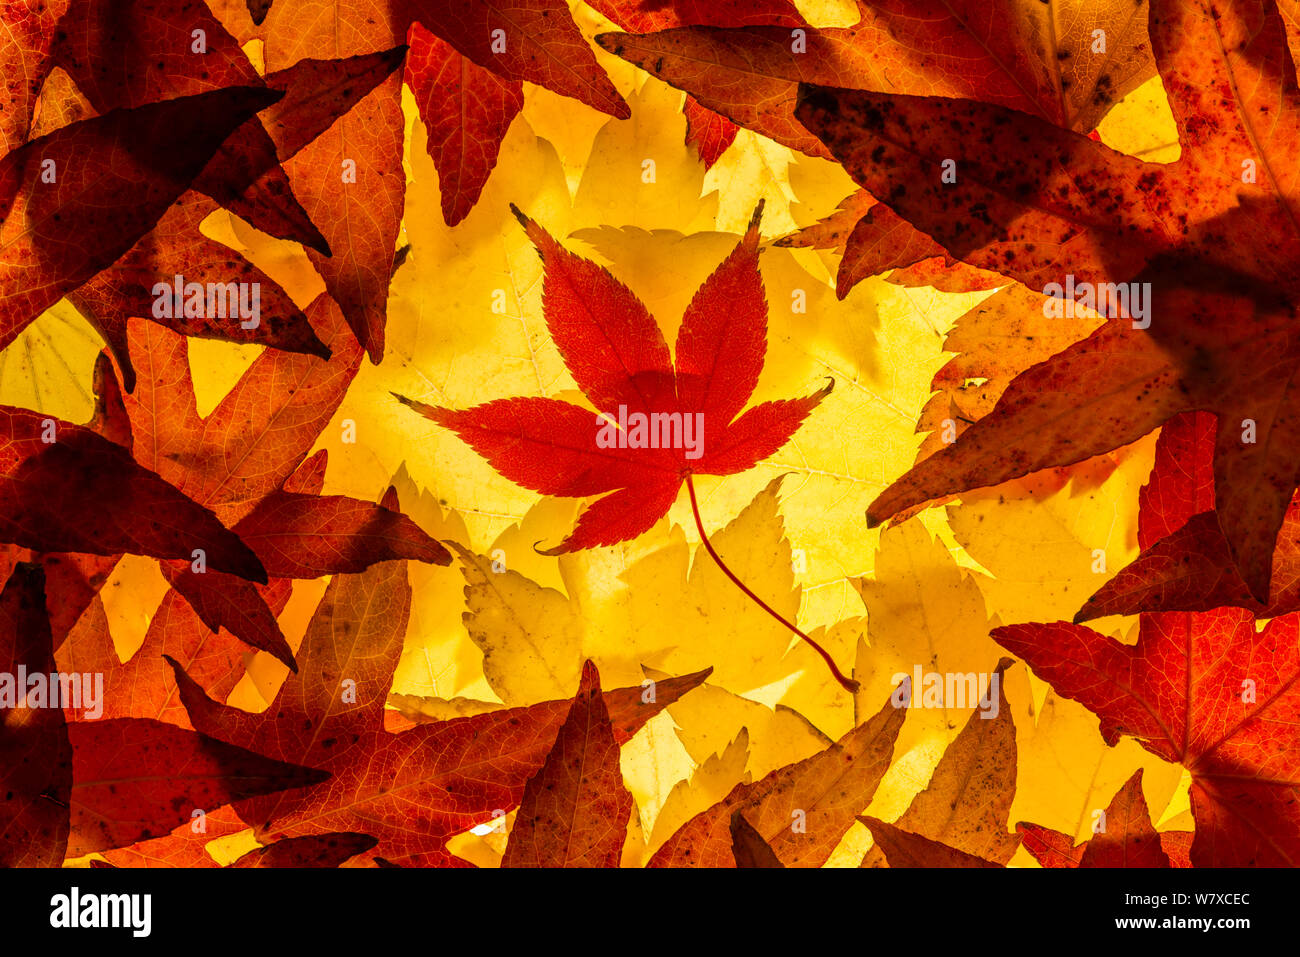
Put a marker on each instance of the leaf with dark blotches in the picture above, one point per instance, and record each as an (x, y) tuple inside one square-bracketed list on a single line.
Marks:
[(575, 809), (73, 201), (134, 778), (1010, 54), (966, 803), (183, 846), (802, 810), (412, 790), (26, 55), (1212, 256), (1036, 58), (1123, 837), (901, 848), (35, 754), (258, 9), (323, 850)]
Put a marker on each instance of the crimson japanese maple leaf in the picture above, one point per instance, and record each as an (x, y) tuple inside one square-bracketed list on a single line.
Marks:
[(1208, 690), (412, 790), (1213, 248), (659, 421), (615, 352), (1125, 838)]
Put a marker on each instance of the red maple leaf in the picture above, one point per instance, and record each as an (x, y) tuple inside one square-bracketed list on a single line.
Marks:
[(1185, 563), (1127, 838), (658, 421), (1203, 689)]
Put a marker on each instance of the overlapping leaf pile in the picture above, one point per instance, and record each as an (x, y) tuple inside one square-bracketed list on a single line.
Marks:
[(618, 699)]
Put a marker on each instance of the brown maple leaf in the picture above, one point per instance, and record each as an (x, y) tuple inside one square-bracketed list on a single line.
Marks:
[(411, 790), (240, 460), (1210, 249), (575, 809), (1207, 690), (316, 94), (467, 62), (74, 787), (1030, 57), (801, 811), (73, 201)]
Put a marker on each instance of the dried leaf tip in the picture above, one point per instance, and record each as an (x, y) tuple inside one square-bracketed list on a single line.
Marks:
[(524, 221), (758, 215), (559, 549)]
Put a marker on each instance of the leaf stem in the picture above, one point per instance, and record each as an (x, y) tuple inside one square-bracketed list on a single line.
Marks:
[(847, 683)]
